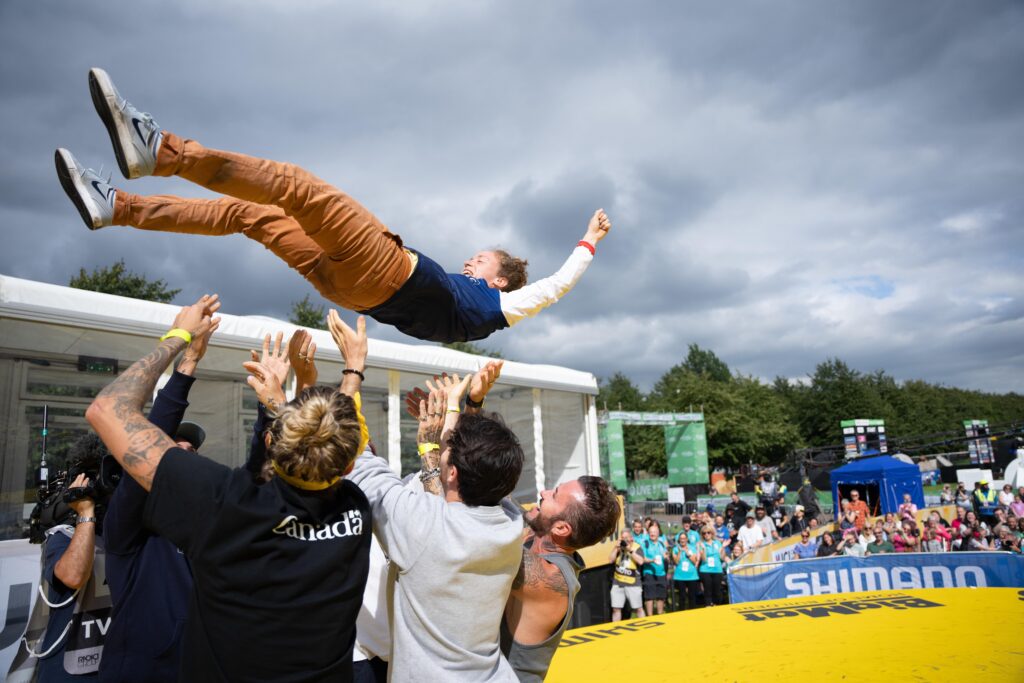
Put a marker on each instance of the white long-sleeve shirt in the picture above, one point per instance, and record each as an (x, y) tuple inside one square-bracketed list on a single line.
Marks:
[(530, 299)]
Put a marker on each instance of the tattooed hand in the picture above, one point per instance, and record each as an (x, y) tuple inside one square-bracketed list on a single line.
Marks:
[(195, 351), (266, 385), (431, 417)]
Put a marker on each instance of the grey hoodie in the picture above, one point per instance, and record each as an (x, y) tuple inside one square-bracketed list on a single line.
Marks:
[(452, 569)]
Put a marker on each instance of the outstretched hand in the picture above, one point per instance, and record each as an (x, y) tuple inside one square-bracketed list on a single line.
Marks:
[(598, 227), (413, 400), (268, 372), (454, 387), (351, 342), (484, 379), (301, 355), (197, 349), (274, 359), (264, 382), (198, 318)]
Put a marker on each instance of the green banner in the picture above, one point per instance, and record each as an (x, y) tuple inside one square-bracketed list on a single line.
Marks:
[(602, 451), (687, 449), (647, 489), (616, 454)]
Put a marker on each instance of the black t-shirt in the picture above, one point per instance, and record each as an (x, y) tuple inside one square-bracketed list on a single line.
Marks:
[(279, 572), (737, 512)]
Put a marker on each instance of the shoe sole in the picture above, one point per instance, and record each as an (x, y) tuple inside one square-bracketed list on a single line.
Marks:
[(72, 184), (104, 98)]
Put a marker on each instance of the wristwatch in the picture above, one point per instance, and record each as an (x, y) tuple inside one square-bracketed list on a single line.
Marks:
[(81, 520)]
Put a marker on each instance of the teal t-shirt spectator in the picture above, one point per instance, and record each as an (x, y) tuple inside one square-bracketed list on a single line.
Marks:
[(712, 563), (692, 538), (685, 570), (654, 556), (640, 538)]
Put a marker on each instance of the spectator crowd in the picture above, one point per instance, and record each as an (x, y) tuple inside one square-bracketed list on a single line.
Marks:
[(686, 569)]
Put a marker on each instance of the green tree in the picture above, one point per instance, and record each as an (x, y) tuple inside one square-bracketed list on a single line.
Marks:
[(753, 425), (470, 347), (837, 392), (704, 362), (307, 314), (117, 279), (619, 393)]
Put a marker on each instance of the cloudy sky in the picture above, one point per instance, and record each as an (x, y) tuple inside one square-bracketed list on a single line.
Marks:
[(788, 181)]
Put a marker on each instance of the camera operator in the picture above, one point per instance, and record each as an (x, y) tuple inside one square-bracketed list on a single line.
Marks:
[(627, 559), (72, 568)]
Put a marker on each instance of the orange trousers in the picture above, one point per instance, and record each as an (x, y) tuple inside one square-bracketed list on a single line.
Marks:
[(329, 238)]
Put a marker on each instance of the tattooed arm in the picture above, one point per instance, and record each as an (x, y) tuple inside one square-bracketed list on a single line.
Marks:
[(539, 598), (116, 413)]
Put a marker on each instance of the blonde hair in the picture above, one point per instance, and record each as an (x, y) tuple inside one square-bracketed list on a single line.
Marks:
[(315, 436)]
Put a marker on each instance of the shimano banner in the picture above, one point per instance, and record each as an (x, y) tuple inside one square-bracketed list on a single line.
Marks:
[(898, 571)]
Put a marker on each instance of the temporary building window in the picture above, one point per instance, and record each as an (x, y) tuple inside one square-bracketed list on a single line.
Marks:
[(64, 382), (515, 405), (565, 452)]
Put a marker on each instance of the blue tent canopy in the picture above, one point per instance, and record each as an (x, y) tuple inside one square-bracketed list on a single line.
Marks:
[(893, 478)]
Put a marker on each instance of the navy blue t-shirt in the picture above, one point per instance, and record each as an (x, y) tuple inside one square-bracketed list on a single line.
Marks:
[(150, 581), (443, 307)]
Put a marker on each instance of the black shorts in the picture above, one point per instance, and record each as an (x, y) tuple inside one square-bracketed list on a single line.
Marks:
[(655, 587)]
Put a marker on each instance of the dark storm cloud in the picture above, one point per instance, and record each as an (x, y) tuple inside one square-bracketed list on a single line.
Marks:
[(758, 160)]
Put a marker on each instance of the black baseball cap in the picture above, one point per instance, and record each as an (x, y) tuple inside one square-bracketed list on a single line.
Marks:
[(192, 433)]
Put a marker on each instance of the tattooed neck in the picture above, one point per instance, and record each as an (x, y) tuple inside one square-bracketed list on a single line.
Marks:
[(544, 544)]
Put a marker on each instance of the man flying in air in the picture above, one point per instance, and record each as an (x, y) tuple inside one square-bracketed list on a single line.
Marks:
[(330, 239)]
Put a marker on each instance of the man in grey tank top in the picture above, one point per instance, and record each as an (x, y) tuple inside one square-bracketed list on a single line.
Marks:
[(573, 515)]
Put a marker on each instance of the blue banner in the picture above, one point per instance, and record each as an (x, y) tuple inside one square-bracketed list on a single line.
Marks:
[(898, 571)]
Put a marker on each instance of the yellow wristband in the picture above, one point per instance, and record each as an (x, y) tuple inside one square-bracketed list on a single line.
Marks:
[(425, 448), (454, 410), (179, 333)]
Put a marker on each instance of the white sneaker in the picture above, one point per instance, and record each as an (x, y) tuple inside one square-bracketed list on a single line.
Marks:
[(88, 191), (135, 135)]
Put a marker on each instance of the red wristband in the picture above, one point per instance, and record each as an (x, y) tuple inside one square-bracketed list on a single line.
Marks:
[(588, 245)]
